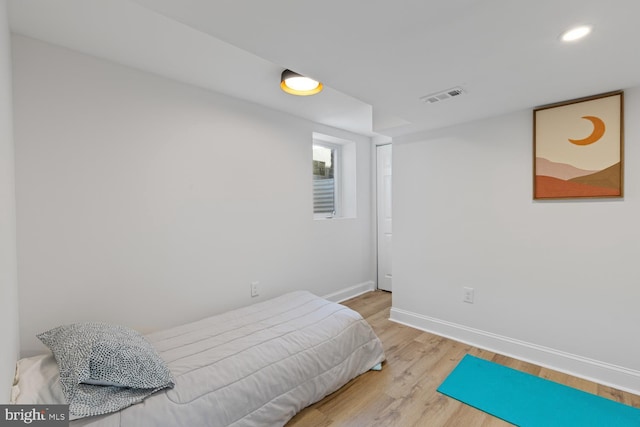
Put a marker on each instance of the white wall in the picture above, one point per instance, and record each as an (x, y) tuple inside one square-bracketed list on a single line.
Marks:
[(150, 203), (556, 282), (8, 277)]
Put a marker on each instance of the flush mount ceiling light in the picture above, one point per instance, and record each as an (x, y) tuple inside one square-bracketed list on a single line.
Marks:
[(576, 33), (295, 84)]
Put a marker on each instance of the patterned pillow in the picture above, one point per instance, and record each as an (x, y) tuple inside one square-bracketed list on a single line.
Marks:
[(104, 368)]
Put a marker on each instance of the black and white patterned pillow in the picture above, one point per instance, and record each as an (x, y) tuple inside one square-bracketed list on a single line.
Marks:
[(104, 367)]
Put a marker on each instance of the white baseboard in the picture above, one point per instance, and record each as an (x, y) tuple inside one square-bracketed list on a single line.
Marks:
[(350, 292), (593, 370)]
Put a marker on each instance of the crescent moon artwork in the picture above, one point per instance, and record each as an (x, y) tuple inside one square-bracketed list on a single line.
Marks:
[(598, 132), (578, 148)]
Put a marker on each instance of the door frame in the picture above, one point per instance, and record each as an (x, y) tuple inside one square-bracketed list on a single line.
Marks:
[(377, 212)]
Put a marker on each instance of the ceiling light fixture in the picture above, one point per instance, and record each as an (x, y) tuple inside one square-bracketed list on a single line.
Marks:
[(576, 33), (296, 84)]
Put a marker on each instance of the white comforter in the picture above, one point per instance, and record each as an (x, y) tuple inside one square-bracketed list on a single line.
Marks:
[(255, 366)]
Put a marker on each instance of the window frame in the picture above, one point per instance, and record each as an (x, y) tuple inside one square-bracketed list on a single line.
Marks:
[(337, 179), (345, 174)]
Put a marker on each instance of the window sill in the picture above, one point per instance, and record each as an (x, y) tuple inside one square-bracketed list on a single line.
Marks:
[(331, 218)]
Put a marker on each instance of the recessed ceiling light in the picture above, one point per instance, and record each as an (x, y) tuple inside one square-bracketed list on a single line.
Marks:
[(297, 84), (576, 33)]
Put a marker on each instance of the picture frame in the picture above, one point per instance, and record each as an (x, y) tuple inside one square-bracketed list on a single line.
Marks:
[(578, 148)]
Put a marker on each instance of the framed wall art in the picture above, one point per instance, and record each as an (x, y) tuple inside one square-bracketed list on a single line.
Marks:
[(578, 148)]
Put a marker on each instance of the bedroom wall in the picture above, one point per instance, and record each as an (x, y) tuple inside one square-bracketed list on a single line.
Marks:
[(8, 272), (150, 203), (556, 282)]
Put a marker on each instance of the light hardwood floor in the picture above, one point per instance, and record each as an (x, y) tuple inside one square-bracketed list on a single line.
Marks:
[(404, 393)]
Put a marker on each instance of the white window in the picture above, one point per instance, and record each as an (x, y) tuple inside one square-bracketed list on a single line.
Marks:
[(334, 168), (326, 194)]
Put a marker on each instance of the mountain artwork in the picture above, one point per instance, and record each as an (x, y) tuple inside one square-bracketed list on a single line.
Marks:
[(578, 148)]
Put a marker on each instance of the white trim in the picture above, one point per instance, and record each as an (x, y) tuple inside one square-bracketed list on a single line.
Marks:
[(323, 138), (593, 370), (351, 292)]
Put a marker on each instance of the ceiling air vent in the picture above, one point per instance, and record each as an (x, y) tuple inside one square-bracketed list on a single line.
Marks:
[(442, 95)]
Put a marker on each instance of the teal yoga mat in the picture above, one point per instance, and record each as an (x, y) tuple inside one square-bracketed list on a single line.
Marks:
[(529, 401)]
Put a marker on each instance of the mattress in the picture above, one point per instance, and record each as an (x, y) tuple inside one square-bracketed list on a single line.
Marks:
[(255, 366)]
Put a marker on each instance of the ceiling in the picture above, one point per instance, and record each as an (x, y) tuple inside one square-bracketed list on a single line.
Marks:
[(376, 58)]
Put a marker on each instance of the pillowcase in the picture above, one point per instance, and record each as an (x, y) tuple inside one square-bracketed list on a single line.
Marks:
[(37, 382), (103, 367)]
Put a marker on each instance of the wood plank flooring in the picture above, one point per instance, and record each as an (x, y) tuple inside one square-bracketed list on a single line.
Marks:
[(404, 393)]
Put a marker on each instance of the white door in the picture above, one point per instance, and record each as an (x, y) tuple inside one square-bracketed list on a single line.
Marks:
[(384, 216)]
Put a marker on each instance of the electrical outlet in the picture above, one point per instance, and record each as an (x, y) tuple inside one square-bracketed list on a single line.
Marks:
[(468, 295), (254, 289)]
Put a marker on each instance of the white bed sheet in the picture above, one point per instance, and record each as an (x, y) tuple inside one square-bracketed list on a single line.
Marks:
[(255, 366)]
